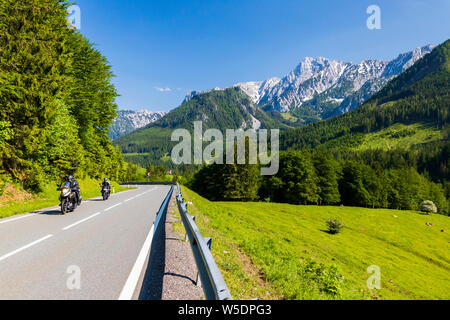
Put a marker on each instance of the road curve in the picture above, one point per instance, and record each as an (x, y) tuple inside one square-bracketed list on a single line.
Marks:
[(86, 254)]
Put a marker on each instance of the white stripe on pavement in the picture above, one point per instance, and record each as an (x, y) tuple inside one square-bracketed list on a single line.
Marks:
[(116, 205), (6, 256), (15, 219), (132, 281), (81, 221), (106, 210), (135, 274)]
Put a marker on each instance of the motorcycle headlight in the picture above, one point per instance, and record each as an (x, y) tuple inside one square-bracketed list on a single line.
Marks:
[(65, 191)]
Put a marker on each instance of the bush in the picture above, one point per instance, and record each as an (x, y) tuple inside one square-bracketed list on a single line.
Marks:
[(428, 207), (328, 279), (334, 226)]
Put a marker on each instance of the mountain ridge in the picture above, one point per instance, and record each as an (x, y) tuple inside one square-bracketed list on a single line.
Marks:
[(320, 88), (333, 79), (233, 108), (128, 121), (419, 94)]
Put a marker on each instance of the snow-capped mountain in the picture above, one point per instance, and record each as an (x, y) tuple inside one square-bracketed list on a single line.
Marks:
[(322, 84), (310, 78), (130, 120), (256, 90), (406, 60), (320, 88)]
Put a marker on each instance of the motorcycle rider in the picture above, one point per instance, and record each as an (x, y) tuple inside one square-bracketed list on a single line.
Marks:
[(106, 184), (75, 188), (106, 188)]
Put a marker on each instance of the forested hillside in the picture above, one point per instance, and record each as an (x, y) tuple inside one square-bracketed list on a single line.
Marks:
[(56, 99), (219, 109), (421, 94), (358, 159)]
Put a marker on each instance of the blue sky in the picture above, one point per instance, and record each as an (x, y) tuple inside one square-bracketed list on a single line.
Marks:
[(160, 50)]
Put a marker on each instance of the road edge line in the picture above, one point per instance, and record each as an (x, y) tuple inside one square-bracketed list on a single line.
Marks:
[(135, 274)]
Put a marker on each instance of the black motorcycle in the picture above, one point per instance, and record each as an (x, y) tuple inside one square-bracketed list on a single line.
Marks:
[(68, 198), (106, 192)]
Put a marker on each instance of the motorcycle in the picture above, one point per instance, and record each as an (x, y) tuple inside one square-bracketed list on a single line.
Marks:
[(68, 198), (106, 192)]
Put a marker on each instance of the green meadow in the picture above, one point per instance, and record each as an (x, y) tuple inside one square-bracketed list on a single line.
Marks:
[(281, 251), (400, 136)]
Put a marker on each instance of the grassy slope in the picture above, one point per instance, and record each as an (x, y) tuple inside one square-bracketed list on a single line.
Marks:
[(10, 206), (400, 136), (259, 247)]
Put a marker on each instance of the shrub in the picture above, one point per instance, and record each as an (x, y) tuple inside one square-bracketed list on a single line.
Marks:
[(428, 207), (327, 278), (334, 226)]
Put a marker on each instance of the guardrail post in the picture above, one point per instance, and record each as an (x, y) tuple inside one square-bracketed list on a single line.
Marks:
[(198, 282), (209, 243)]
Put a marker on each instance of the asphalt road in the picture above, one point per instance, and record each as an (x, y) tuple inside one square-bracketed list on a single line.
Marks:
[(94, 253)]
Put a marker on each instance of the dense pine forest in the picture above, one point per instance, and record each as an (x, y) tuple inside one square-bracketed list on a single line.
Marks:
[(56, 99), (320, 179)]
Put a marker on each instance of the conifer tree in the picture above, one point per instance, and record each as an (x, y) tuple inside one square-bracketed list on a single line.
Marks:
[(33, 62), (327, 182)]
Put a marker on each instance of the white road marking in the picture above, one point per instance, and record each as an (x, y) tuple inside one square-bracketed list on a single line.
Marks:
[(18, 218), (7, 220), (116, 205), (106, 210), (122, 192), (6, 256), (132, 281), (81, 221)]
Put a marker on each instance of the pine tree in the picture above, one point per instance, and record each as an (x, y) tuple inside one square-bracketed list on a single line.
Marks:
[(91, 101), (327, 182), (351, 186), (299, 179), (33, 60), (56, 97)]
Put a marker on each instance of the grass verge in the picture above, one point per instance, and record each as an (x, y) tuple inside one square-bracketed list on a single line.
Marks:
[(281, 251)]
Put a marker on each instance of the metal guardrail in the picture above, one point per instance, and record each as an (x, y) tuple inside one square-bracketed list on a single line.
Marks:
[(209, 275), (212, 280), (163, 209), (133, 284)]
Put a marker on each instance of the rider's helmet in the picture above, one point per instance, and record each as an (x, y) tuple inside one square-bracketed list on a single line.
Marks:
[(71, 178), (105, 180)]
